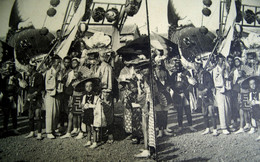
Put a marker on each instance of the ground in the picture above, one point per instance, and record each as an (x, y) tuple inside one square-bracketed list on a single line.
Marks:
[(190, 146), (185, 146)]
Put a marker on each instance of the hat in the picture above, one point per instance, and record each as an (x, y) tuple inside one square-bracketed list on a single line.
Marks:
[(80, 87), (238, 58), (75, 58), (198, 60), (245, 82), (143, 65), (92, 55), (32, 62)]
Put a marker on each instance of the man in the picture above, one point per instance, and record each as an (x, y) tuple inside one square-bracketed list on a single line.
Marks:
[(221, 96), (34, 100), (181, 88), (65, 95), (51, 101), (205, 97), (105, 72), (144, 98), (8, 92)]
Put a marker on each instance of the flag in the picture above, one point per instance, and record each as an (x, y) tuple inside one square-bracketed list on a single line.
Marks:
[(64, 47), (228, 30)]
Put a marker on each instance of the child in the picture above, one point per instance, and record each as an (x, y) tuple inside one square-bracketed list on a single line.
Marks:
[(254, 96), (93, 113)]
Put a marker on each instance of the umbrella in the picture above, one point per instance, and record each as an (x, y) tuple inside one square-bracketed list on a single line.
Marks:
[(169, 47), (245, 82), (80, 87), (136, 47)]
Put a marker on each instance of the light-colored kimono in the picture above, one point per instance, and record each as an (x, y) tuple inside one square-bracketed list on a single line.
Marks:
[(105, 73), (51, 102), (221, 97)]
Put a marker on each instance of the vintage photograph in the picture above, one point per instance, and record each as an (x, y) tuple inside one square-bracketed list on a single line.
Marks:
[(129, 80)]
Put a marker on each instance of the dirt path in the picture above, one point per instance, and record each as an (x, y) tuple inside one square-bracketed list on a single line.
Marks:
[(190, 146)]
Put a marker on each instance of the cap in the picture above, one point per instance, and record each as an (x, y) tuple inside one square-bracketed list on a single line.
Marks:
[(75, 58)]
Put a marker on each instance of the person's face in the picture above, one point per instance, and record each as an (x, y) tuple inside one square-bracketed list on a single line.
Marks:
[(74, 54), (30, 69), (56, 63), (88, 86), (74, 64), (230, 61), (58, 33), (220, 60), (252, 84), (237, 63), (251, 60), (237, 54), (67, 63), (8, 68)]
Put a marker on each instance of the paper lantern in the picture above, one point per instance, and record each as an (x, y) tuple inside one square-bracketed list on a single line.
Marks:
[(257, 17), (44, 31), (249, 16), (132, 7), (207, 3), (51, 12), (98, 14), (83, 27), (55, 3), (206, 11), (112, 14), (203, 30)]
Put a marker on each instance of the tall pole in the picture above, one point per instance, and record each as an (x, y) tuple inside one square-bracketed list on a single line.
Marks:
[(151, 75)]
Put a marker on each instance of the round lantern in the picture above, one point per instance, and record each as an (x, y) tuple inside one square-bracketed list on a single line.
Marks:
[(112, 14), (83, 27), (207, 3), (249, 16), (203, 30), (132, 7), (257, 17), (51, 12), (206, 11), (44, 31), (55, 3), (98, 14)]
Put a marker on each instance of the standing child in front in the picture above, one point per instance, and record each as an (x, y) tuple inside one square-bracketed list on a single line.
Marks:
[(93, 114)]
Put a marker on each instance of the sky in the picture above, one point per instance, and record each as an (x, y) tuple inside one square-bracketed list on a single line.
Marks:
[(157, 9)]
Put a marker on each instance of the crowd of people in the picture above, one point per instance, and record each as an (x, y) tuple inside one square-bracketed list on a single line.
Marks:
[(78, 93), (223, 89)]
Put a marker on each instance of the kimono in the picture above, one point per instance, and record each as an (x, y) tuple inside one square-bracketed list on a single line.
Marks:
[(221, 97), (52, 103), (105, 73), (94, 114)]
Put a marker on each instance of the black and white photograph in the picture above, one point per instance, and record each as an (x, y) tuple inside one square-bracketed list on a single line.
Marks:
[(129, 80)]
